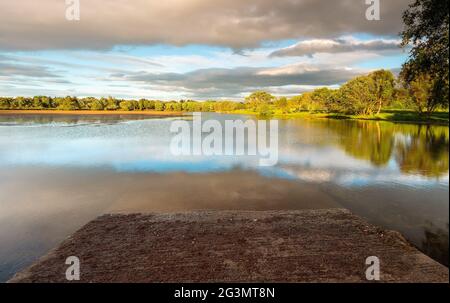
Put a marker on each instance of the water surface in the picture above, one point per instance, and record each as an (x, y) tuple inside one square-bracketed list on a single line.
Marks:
[(59, 172)]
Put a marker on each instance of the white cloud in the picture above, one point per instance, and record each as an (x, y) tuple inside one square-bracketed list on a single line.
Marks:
[(333, 46)]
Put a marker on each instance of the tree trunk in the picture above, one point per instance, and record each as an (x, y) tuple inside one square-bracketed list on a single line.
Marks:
[(379, 106)]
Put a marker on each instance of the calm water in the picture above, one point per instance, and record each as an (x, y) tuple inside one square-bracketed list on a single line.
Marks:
[(59, 172)]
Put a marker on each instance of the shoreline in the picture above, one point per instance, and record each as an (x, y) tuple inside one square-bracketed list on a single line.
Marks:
[(388, 116), (383, 117), (328, 245), (88, 112)]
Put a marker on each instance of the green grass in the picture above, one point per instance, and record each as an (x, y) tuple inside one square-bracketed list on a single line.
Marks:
[(411, 116), (394, 115), (407, 116)]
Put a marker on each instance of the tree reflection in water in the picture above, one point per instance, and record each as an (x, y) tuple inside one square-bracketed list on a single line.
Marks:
[(417, 149)]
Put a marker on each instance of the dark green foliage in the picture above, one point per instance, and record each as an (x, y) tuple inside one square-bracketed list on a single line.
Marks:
[(426, 30)]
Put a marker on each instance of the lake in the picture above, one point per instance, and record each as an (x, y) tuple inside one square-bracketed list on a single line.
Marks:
[(58, 172)]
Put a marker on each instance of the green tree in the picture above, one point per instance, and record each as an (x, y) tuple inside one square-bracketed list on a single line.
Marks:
[(37, 104), (282, 104), (146, 104), (69, 103), (97, 105), (421, 90), (357, 96), (21, 103), (426, 30), (127, 105), (384, 82), (401, 98), (264, 110), (323, 99), (159, 106), (111, 104), (294, 104), (5, 103), (258, 99), (46, 102)]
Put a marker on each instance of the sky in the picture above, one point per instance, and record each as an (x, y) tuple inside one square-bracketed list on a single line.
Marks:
[(192, 49)]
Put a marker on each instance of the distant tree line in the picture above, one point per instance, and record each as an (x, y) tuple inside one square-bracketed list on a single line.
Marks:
[(363, 95), (113, 104)]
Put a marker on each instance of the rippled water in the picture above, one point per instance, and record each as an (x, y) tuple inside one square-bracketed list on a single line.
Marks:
[(59, 172)]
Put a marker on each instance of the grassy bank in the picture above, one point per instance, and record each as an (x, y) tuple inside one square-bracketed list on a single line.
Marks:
[(386, 115)]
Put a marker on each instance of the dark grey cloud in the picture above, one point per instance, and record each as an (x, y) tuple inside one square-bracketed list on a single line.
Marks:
[(35, 25), (221, 82), (311, 47), (13, 70), (244, 76)]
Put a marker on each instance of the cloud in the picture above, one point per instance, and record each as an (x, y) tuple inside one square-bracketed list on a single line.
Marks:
[(38, 25), (121, 59), (14, 70), (19, 78), (222, 82), (332, 46)]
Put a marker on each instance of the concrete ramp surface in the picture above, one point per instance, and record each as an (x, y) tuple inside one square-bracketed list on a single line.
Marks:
[(328, 245)]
